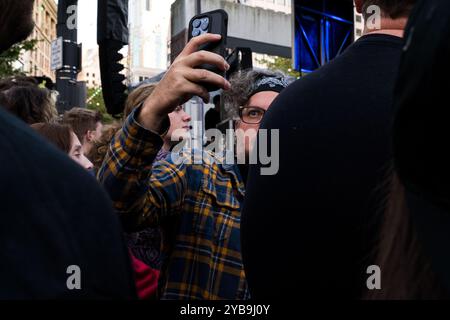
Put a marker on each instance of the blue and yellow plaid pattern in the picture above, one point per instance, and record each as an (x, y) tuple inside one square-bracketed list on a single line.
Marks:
[(204, 201)]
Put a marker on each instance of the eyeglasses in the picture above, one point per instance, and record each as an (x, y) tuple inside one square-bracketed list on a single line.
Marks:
[(251, 115)]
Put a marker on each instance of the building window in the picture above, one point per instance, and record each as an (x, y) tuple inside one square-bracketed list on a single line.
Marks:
[(358, 18)]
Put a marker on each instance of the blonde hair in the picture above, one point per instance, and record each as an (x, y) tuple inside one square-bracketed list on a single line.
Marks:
[(98, 153), (138, 96)]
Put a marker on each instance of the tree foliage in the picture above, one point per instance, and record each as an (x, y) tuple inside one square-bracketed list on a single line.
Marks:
[(281, 64), (95, 102), (12, 55)]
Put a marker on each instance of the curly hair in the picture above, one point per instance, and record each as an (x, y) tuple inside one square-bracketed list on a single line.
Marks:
[(29, 103), (17, 81), (98, 152), (242, 86)]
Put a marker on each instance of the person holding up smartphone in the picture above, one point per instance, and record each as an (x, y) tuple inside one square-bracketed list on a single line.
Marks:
[(204, 260), (197, 206)]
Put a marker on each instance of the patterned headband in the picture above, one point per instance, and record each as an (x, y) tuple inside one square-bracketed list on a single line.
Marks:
[(276, 84)]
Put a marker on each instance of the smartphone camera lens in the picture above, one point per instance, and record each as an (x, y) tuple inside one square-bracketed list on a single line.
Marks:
[(196, 32), (205, 24), (197, 23)]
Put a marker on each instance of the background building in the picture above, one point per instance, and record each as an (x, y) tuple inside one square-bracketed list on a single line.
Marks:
[(250, 25), (284, 6), (275, 5), (91, 68), (38, 62), (149, 38)]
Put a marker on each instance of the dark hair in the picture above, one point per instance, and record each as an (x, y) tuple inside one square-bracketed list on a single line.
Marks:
[(29, 103), (17, 81), (82, 120), (405, 268), (392, 8), (58, 134), (16, 22)]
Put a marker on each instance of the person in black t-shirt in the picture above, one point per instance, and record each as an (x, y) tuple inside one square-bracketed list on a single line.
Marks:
[(309, 230), (59, 237)]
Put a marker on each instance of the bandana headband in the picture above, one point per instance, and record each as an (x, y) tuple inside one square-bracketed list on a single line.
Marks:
[(276, 84)]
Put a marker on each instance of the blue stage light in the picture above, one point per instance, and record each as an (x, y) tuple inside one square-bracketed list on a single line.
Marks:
[(323, 29)]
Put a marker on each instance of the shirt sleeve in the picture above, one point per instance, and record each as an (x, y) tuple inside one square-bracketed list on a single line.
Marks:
[(142, 193)]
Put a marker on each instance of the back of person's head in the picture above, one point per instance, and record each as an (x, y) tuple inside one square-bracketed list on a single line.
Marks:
[(16, 21), (29, 103), (82, 120), (413, 248), (138, 96), (393, 9), (59, 135), (17, 81), (98, 152)]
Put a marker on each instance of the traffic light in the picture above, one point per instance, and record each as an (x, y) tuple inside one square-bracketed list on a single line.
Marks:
[(112, 35), (114, 89)]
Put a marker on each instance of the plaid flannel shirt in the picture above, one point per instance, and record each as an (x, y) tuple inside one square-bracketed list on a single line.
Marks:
[(205, 261)]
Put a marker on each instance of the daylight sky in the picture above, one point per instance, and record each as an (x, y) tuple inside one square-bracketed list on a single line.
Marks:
[(87, 23)]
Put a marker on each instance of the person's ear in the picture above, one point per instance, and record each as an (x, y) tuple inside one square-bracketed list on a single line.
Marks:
[(359, 6), (89, 136)]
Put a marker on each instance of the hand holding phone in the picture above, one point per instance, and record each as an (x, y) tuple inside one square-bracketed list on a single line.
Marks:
[(183, 81), (215, 22)]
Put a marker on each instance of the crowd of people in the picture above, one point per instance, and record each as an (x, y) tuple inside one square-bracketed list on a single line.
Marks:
[(362, 177)]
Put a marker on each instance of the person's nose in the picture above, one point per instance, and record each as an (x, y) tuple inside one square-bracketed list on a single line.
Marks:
[(86, 163), (186, 117)]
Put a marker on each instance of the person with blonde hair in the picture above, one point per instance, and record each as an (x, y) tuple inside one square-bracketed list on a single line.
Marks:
[(145, 245), (179, 119)]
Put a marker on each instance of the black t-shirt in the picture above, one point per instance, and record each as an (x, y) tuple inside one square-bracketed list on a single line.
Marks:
[(54, 216), (309, 230)]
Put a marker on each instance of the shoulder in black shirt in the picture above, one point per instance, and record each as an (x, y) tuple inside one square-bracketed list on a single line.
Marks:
[(309, 230)]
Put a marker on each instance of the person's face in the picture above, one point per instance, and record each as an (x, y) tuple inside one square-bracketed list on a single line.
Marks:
[(76, 153), (252, 114), (179, 125)]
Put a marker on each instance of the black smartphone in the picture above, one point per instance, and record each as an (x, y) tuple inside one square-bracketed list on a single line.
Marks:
[(215, 22)]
